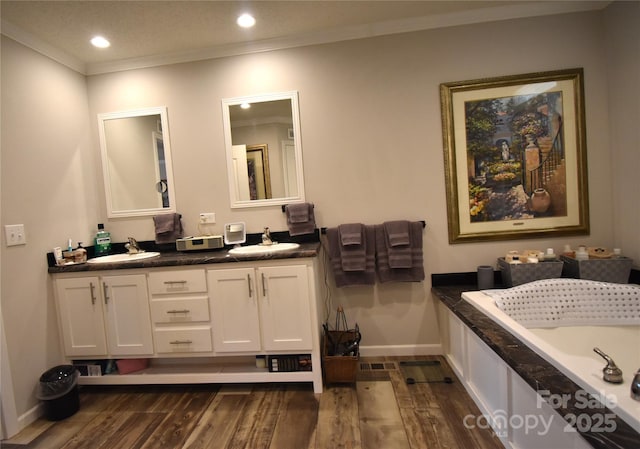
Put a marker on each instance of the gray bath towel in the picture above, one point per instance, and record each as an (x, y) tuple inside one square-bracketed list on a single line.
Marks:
[(300, 218), (168, 227), (346, 278), (353, 247), (386, 273)]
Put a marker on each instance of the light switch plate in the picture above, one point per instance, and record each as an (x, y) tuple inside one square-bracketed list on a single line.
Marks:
[(15, 235)]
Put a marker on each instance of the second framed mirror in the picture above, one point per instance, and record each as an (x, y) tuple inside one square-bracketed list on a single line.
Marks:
[(264, 149)]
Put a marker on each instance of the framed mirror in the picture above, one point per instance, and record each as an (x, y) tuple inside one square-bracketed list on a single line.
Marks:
[(264, 150), (136, 162)]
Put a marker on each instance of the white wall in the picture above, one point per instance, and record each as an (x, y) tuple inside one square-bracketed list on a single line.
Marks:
[(372, 145), (623, 47), (372, 139), (49, 176)]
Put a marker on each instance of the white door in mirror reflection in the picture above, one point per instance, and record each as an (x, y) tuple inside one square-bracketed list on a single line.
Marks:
[(161, 169), (289, 168), (241, 172)]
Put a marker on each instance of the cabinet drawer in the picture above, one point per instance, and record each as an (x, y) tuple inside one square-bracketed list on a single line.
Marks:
[(193, 339), (180, 310), (183, 281)]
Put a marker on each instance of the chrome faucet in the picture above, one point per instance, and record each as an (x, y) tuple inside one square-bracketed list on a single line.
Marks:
[(635, 387), (266, 237), (133, 246), (610, 373)]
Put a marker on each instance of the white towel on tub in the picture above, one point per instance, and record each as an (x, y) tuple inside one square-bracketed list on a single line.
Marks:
[(570, 302)]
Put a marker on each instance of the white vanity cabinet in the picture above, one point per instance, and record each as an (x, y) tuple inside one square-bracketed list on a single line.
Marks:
[(266, 308), (198, 323), (104, 315), (180, 311)]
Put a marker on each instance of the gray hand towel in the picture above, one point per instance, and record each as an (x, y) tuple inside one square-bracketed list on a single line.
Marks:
[(398, 242), (168, 227), (350, 234), (397, 232), (300, 218), (353, 248)]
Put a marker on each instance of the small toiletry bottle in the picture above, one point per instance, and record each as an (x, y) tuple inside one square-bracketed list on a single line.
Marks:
[(617, 253), (550, 255), (57, 255), (582, 253), (103, 241), (568, 252)]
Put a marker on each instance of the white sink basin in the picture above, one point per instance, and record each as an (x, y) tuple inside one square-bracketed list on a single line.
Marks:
[(126, 257), (252, 250)]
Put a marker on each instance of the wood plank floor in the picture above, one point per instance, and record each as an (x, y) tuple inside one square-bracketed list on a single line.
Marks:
[(376, 413)]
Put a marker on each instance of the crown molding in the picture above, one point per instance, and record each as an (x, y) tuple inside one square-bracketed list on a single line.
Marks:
[(29, 40)]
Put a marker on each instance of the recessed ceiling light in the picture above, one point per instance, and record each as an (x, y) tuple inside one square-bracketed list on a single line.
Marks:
[(246, 21), (245, 105), (100, 42)]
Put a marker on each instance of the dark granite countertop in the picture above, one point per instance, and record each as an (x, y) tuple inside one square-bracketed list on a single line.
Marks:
[(175, 259), (534, 369)]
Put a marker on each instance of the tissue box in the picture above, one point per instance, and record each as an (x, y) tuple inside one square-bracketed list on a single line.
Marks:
[(604, 270), (516, 274)]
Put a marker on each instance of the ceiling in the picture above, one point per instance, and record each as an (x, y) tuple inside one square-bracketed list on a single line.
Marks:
[(149, 33)]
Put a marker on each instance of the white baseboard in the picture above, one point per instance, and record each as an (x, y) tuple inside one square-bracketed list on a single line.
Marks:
[(30, 416), (399, 350)]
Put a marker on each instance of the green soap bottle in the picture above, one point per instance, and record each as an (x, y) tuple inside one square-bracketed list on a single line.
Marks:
[(103, 241)]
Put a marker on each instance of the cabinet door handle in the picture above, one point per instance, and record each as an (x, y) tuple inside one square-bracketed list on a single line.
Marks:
[(93, 293), (180, 342), (264, 285), (249, 284), (105, 291), (179, 311)]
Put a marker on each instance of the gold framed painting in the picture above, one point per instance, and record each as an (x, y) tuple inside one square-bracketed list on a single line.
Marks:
[(515, 156)]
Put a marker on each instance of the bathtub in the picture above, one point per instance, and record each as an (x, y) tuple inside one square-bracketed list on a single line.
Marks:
[(570, 350)]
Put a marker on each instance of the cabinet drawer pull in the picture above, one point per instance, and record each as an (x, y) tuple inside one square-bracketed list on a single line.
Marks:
[(179, 311), (180, 342), (93, 293), (174, 282)]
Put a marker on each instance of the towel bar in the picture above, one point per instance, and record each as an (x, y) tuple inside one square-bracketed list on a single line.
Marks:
[(424, 225)]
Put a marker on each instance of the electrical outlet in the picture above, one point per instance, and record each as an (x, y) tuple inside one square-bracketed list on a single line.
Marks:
[(207, 218), (15, 235)]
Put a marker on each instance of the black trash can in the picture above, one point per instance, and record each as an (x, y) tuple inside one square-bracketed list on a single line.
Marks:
[(59, 392)]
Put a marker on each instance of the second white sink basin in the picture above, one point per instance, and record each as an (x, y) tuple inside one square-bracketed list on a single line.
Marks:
[(262, 249), (126, 257)]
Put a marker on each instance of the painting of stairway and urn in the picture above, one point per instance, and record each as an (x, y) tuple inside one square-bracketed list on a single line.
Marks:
[(520, 155)]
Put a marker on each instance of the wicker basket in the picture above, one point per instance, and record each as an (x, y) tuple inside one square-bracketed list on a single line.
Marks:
[(516, 274), (339, 368), (604, 270)]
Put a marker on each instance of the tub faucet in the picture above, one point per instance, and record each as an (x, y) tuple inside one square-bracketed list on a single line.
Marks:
[(610, 373), (266, 237), (635, 387), (133, 246)]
